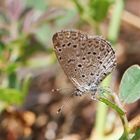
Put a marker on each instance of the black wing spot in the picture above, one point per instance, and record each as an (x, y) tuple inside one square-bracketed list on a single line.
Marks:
[(108, 50), (74, 46), (69, 60), (97, 42), (91, 74), (105, 74), (83, 76), (69, 44), (97, 74), (90, 41), (63, 45), (100, 62), (79, 65), (89, 52), (83, 58), (96, 46)]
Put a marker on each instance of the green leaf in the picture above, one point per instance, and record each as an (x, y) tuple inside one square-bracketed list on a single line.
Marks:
[(112, 105), (26, 85), (123, 137), (137, 135), (2, 46), (130, 85), (12, 67), (99, 9), (10, 96), (79, 6), (115, 20), (37, 4), (12, 80)]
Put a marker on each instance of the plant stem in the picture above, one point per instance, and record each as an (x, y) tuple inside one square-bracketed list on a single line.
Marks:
[(101, 116), (100, 120), (120, 112), (125, 125), (112, 105), (114, 26), (92, 23)]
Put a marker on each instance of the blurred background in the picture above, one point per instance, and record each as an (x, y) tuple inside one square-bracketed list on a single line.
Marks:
[(29, 70)]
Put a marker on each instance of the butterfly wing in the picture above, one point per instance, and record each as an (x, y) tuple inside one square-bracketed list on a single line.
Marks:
[(86, 60)]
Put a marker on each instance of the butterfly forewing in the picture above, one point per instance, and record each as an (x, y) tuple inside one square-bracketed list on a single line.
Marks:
[(86, 60)]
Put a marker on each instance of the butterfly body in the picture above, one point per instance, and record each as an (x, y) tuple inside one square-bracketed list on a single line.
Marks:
[(85, 59)]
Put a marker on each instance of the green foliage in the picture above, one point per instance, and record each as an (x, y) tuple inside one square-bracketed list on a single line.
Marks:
[(10, 96), (22, 37), (37, 4), (129, 92), (115, 21), (1, 48), (136, 135), (123, 137), (79, 6), (112, 105), (15, 96), (99, 9), (19, 42), (130, 85), (95, 10)]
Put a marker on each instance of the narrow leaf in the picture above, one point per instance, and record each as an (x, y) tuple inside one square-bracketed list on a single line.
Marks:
[(10, 96), (123, 137), (137, 135)]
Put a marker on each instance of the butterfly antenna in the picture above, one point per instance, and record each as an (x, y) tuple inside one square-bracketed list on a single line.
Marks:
[(59, 90)]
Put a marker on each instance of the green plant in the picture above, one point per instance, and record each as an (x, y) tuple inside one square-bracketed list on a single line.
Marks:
[(19, 41), (94, 12), (129, 92)]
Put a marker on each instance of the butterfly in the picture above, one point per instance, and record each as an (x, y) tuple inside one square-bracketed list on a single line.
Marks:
[(85, 59)]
